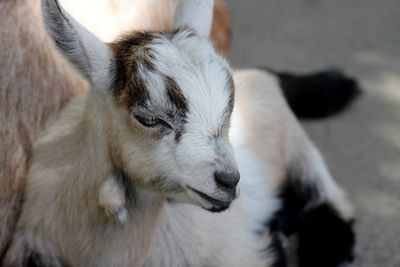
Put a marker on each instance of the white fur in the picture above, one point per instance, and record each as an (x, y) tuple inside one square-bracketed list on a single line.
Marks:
[(205, 87), (196, 14), (112, 199), (61, 219)]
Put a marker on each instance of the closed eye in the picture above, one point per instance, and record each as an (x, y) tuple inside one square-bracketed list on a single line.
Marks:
[(151, 122)]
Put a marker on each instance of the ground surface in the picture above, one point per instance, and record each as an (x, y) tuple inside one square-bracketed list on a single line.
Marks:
[(361, 146)]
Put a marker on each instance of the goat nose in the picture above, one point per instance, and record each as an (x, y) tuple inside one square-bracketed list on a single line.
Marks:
[(227, 180)]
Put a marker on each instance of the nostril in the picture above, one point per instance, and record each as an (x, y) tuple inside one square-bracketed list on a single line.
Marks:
[(227, 180)]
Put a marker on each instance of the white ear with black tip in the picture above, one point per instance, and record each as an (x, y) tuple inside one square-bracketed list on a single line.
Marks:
[(84, 50), (197, 14)]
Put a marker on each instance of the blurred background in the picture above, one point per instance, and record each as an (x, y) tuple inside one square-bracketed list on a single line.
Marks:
[(362, 145)]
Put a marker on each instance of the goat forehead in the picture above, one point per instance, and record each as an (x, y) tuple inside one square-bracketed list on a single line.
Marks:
[(179, 69), (199, 74)]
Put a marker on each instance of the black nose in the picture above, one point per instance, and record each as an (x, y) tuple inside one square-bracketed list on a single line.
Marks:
[(227, 180)]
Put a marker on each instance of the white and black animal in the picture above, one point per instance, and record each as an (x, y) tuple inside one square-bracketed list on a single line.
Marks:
[(182, 135)]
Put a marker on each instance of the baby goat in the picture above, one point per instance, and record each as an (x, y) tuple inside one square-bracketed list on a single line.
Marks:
[(159, 122), (36, 81)]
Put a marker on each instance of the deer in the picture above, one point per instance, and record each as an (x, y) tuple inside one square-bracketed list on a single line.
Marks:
[(210, 165)]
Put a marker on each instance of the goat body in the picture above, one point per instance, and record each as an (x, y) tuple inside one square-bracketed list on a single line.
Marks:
[(36, 81), (159, 118), (160, 232)]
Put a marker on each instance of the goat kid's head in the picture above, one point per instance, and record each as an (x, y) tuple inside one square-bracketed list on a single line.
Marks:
[(170, 97)]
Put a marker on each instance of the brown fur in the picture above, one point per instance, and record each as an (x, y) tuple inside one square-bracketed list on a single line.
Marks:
[(73, 228), (221, 31), (175, 94), (153, 225), (35, 82), (34, 85), (153, 15), (129, 52)]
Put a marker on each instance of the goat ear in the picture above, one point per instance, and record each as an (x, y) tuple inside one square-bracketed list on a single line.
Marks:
[(195, 13), (83, 49)]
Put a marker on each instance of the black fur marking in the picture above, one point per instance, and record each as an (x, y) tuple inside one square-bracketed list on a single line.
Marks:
[(130, 52), (218, 209), (324, 238), (179, 133), (176, 97), (34, 259), (295, 197), (278, 250), (133, 53), (318, 95), (149, 65), (231, 88), (128, 87), (175, 94)]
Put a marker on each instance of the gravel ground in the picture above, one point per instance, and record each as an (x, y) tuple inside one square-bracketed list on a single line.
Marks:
[(362, 145)]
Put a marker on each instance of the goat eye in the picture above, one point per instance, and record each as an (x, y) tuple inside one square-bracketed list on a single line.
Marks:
[(151, 122), (147, 121)]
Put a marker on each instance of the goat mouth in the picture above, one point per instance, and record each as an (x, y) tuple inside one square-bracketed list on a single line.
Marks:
[(217, 205)]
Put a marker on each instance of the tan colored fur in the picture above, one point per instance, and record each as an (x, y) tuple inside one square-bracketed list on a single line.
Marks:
[(35, 82), (158, 233), (112, 198), (34, 85), (277, 138), (126, 15), (62, 216), (77, 146)]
